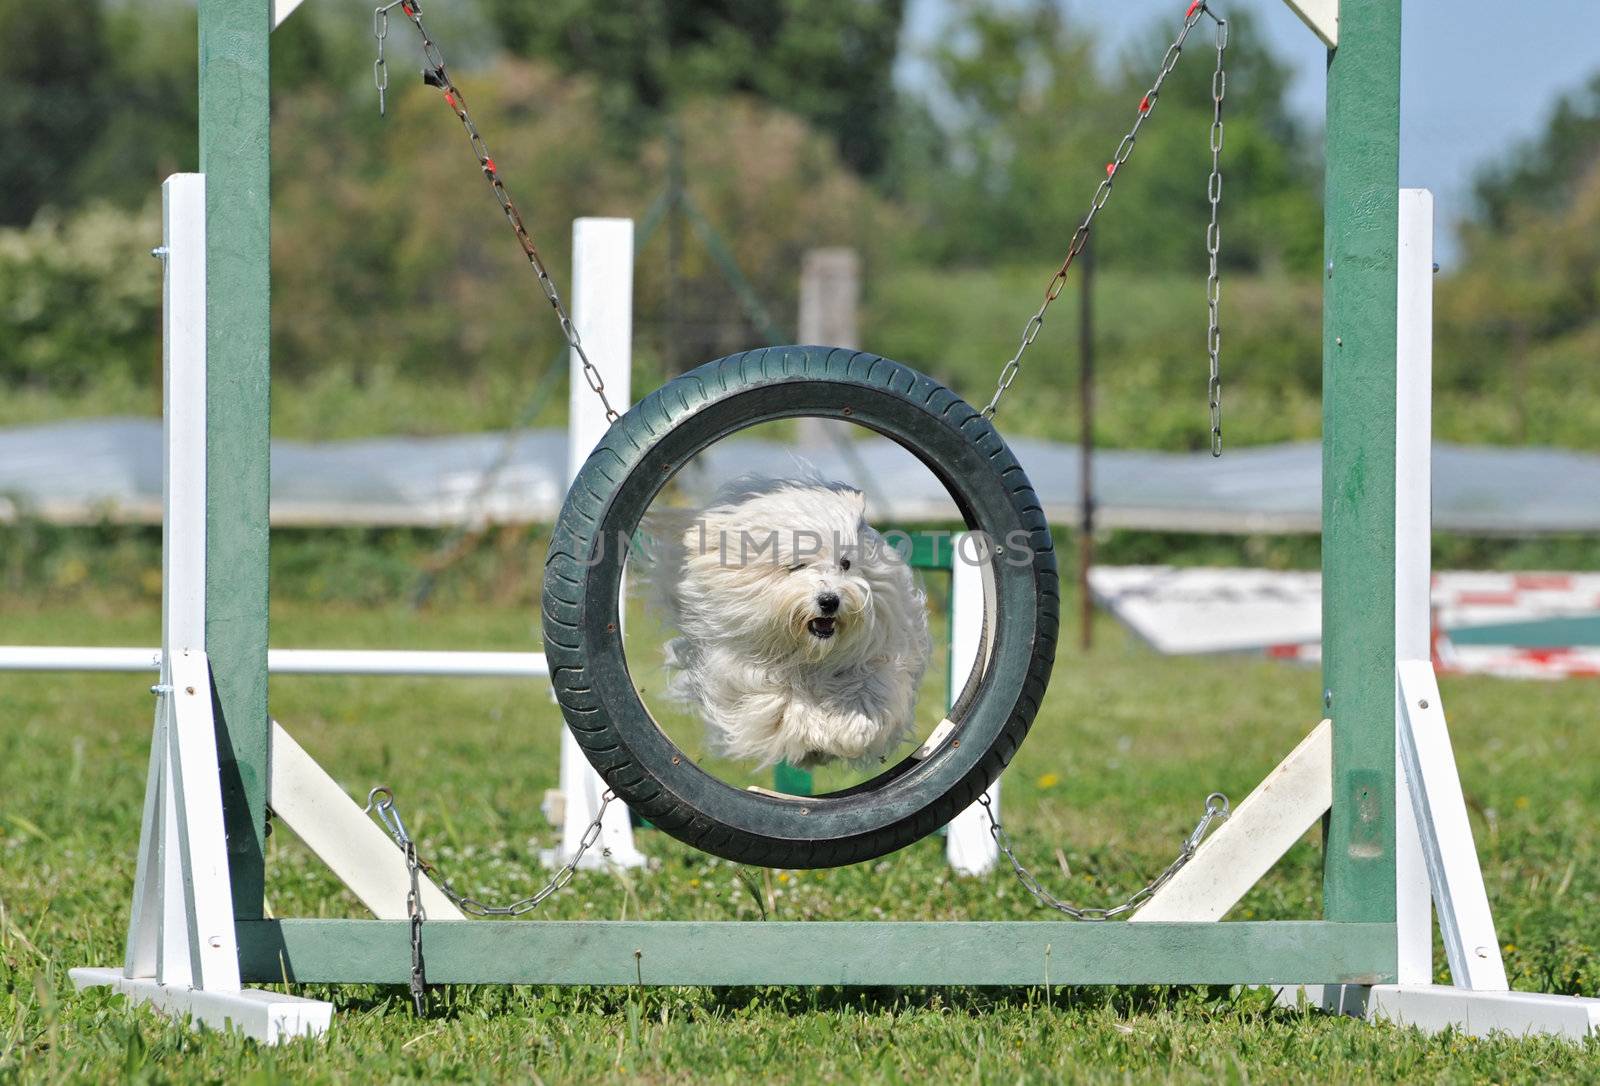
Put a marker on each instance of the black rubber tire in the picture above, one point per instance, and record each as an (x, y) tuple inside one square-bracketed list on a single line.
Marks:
[(584, 648)]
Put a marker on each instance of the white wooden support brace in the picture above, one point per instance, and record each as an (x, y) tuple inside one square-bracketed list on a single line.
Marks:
[(969, 845), (1281, 810), (355, 848), (1441, 815), (602, 312), (1321, 16), (282, 9)]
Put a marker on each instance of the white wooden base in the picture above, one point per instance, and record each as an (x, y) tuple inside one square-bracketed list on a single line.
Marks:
[(267, 1017), (1434, 1008)]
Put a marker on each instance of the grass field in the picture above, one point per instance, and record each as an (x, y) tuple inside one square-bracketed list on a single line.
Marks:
[(1111, 778)]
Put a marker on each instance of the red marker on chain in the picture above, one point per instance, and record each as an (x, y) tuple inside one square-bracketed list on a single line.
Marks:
[(1192, 8), (1111, 169)]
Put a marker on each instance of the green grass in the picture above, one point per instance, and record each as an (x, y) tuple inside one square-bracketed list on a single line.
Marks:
[(1114, 773)]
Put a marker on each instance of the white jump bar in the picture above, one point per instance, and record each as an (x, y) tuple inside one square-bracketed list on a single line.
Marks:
[(486, 665)]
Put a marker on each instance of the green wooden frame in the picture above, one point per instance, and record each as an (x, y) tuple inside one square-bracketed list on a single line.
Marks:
[(1356, 942)]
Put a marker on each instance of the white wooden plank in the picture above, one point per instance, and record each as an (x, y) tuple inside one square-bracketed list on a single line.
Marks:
[(1321, 16), (202, 838), (1465, 921), (969, 847), (267, 1017), (183, 339), (602, 312), (1413, 579), (282, 9), (1291, 800), (355, 848), (1434, 1008)]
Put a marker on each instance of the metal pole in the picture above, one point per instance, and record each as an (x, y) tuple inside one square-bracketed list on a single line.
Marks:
[(1086, 447)]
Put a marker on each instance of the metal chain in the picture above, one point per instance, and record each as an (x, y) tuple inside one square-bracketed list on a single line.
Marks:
[(380, 67), (1216, 810), (419, 980), (1219, 86), (1080, 236), (380, 801), (435, 75)]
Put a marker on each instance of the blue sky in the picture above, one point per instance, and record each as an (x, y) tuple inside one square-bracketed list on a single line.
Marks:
[(1478, 77)]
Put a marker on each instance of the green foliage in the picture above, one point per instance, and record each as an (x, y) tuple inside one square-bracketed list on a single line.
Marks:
[(47, 122), (1520, 322), (1544, 174), (1034, 123), (828, 61), (80, 297)]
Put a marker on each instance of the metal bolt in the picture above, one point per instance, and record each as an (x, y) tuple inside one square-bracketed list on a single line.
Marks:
[(1327, 699), (160, 252), (188, 690), (1330, 269), (1423, 704), (1436, 268), (1338, 341), (161, 688)]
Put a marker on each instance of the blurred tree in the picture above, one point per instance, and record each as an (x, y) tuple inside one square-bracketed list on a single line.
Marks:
[(80, 297), (1030, 123), (145, 93), (1543, 174), (829, 61), (53, 109)]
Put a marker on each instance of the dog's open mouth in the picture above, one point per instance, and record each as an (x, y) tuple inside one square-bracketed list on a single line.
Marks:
[(822, 628)]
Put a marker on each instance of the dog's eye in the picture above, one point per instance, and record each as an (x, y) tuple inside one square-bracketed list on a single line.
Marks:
[(844, 563), (798, 568)]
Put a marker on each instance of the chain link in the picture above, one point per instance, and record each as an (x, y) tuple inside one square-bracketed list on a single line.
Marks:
[(435, 75), (419, 980), (1219, 86), (1080, 236), (380, 801), (1217, 810), (380, 67)]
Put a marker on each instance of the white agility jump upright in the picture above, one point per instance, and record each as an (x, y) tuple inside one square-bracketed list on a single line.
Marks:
[(970, 846), (602, 312), (182, 954), (1437, 860)]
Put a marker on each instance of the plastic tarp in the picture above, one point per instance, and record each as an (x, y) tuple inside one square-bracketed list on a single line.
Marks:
[(96, 469)]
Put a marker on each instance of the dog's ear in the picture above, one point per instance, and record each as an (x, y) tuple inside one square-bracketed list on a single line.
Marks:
[(856, 499)]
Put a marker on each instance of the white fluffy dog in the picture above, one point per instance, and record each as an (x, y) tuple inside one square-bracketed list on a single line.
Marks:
[(803, 635)]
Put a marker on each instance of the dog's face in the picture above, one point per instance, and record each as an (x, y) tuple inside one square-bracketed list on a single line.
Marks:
[(787, 572)]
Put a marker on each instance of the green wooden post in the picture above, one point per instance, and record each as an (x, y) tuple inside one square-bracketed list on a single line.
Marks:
[(234, 158), (1358, 457)]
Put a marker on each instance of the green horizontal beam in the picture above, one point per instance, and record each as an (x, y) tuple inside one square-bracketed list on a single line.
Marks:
[(822, 953)]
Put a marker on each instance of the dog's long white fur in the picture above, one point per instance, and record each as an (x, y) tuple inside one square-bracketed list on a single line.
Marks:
[(747, 584)]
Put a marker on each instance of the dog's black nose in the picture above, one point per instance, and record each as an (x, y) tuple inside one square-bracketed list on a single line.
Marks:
[(828, 602)]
